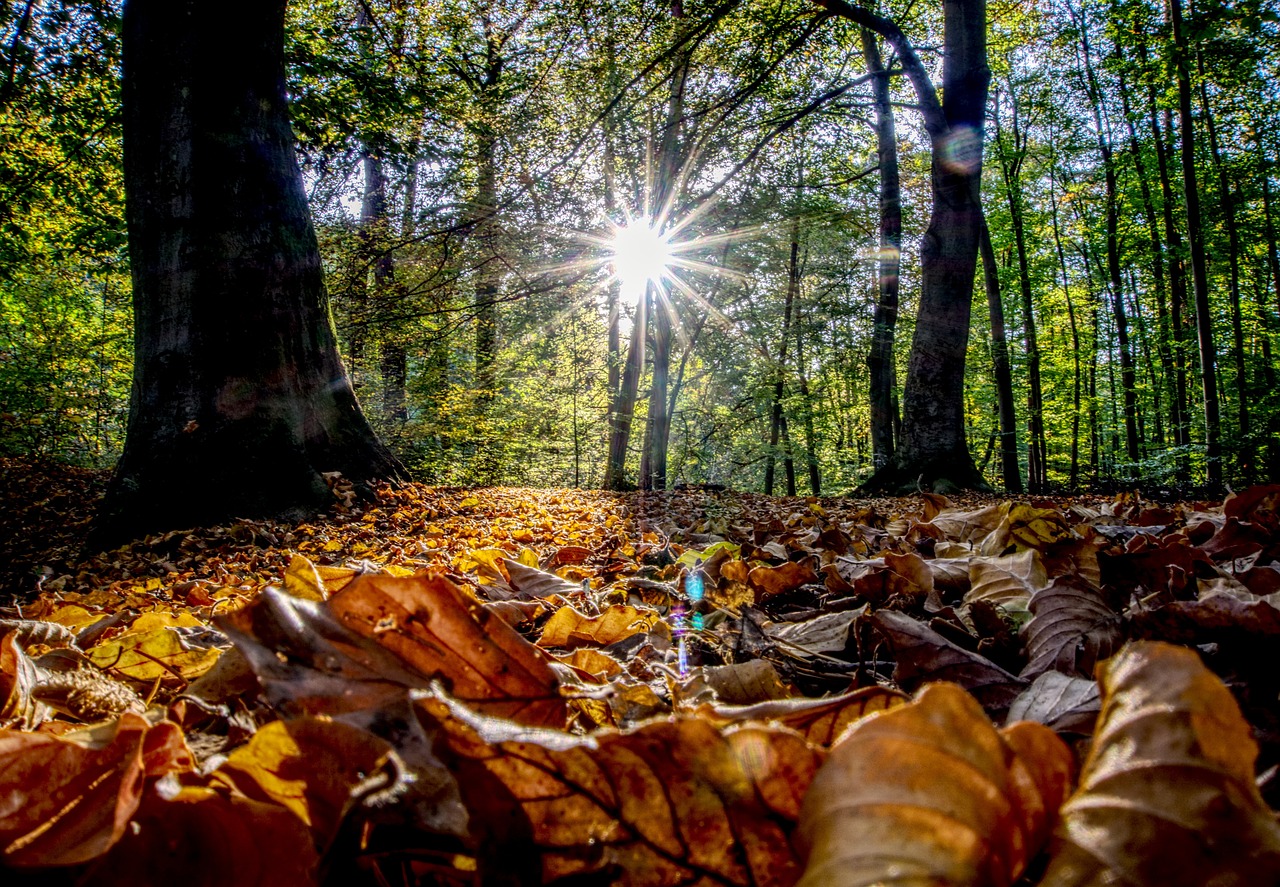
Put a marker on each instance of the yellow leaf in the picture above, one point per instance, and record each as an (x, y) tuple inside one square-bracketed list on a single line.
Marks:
[(569, 628), (73, 617), (147, 655)]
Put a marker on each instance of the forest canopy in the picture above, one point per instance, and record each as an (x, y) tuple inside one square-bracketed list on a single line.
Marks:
[(472, 167)]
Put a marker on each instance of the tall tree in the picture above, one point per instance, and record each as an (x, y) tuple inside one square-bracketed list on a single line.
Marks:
[(933, 449), (240, 403)]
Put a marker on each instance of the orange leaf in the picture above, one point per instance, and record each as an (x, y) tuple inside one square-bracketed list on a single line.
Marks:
[(65, 801), (930, 793), (204, 838), (1167, 794), (672, 802), (428, 622), (776, 580), (569, 628)]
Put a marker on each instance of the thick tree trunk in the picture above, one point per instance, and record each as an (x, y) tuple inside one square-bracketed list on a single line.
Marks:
[(240, 402), (880, 361), (623, 408), (1000, 366)]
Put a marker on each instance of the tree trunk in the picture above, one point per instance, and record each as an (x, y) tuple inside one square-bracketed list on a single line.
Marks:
[(1244, 443), (1073, 476), (932, 450), (623, 408), (777, 426), (1000, 366), (1011, 169), (1199, 264), (225, 262), (880, 361)]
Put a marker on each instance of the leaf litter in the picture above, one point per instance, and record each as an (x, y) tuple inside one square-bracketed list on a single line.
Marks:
[(442, 686)]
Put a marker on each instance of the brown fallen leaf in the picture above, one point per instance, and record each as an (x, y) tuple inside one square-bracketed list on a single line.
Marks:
[(204, 838), (743, 683), (923, 655), (932, 793), (1167, 793), (309, 766), (1062, 703), (821, 721), (1008, 581), (1071, 629), (432, 626), (534, 583), (18, 679), (568, 628), (66, 800), (671, 802), (769, 581)]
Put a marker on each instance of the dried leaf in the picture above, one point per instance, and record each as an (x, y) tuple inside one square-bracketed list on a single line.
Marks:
[(1063, 703), (204, 838), (1008, 581), (1167, 794), (930, 793), (769, 581), (535, 583), (672, 802), (18, 678), (311, 582), (822, 634), (65, 801), (821, 721), (569, 628), (1071, 629), (745, 682), (924, 655), (308, 766), (430, 624)]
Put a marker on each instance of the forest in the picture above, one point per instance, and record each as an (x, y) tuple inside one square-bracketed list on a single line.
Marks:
[(468, 166), (714, 442)]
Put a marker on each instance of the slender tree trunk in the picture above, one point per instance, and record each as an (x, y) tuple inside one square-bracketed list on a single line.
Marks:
[(932, 448), (624, 403), (777, 421), (1244, 443), (1163, 331), (1073, 477), (1128, 379), (1011, 168), (1000, 366), (806, 399), (225, 262), (880, 360), (1199, 264)]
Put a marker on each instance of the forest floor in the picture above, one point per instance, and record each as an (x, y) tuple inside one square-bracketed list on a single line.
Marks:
[(479, 685)]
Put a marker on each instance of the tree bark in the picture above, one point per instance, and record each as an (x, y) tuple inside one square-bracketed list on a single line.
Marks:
[(932, 450), (240, 402), (1000, 366), (880, 361), (777, 423), (1199, 264)]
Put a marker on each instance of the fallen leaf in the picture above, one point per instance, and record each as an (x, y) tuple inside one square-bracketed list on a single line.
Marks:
[(924, 655), (535, 583), (931, 793), (826, 633), (672, 802), (1061, 702), (1167, 793), (1071, 629), (745, 682), (568, 628), (308, 766), (769, 581), (821, 721)]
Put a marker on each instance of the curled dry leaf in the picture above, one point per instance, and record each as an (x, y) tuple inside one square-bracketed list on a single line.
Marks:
[(534, 583), (309, 766), (18, 679), (1061, 702), (672, 802), (1167, 794), (924, 655), (821, 721), (826, 633), (66, 800), (931, 793), (769, 581), (755, 680), (1071, 629), (151, 649), (568, 628), (204, 838), (430, 624), (1008, 581)]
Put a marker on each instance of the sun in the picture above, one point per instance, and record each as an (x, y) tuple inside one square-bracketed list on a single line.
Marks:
[(640, 254)]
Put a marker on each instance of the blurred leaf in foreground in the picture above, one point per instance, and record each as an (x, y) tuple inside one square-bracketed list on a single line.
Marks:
[(1167, 794)]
